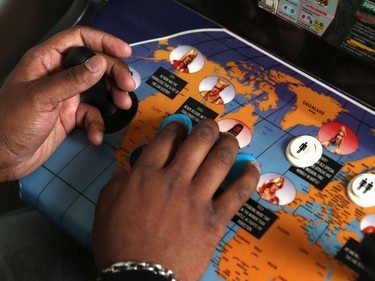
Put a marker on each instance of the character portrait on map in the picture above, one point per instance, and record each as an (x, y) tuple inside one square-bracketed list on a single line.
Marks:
[(186, 59), (235, 130), (238, 129), (335, 142), (338, 138), (368, 230), (368, 224), (276, 189), (268, 190), (213, 95), (183, 63), (216, 90)]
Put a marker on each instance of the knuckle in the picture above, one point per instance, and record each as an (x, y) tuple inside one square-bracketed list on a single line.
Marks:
[(144, 169), (38, 100), (175, 180), (216, 226), (250, 175), (243, 192), (36, 52), (207, 130), (75, 78), (172, 130), (246, 185), (229, 141), (33, 53), (224, 156)]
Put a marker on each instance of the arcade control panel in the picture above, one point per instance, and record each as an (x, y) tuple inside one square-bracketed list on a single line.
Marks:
[(315, 201)]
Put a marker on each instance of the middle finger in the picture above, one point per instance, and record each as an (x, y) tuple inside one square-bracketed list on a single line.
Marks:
[(195, 148)]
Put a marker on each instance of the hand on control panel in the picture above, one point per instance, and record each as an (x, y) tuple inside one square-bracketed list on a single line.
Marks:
[(114, 117), (40, 101), (166, 210)]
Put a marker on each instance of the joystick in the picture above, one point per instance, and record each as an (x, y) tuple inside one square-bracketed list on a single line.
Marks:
[(114, 118)]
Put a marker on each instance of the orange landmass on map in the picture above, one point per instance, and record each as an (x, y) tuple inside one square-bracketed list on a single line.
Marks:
[(246, 258), (312, 108), (268, 80), (160, 55), (354, 168), (283, 253), (350, 170)]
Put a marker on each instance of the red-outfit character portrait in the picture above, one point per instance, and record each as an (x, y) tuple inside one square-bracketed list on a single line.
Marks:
[(236, 128), (338, 138), (183, 63), (268, 190), (368, 230), (213, 95)]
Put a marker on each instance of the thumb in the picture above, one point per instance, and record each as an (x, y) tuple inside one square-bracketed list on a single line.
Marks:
[(72, 81)]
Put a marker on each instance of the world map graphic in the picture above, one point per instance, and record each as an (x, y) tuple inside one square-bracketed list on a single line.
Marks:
[(314, 232)]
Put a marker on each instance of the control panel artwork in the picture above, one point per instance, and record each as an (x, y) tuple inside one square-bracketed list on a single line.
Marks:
[(315, 199)]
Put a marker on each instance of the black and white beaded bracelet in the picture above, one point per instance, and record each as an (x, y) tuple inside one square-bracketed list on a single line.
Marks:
[(133, 270)]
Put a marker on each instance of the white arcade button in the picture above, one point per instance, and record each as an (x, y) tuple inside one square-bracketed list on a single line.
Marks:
[(361, 190), (304, 151)]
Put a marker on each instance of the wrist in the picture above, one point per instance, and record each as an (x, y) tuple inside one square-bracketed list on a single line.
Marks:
[(14, 166), (6, 171), (8, 161), (11, 171), (133, 270)]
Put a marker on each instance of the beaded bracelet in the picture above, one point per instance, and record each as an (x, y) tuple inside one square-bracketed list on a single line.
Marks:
[(136, 266)]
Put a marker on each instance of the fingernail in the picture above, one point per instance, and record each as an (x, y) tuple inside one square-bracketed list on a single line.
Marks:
[(134, 84), (256, 165), (93, 64), (101, 136)]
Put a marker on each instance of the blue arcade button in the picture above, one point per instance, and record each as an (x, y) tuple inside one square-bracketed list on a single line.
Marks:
[(177, 117), (241, 160)]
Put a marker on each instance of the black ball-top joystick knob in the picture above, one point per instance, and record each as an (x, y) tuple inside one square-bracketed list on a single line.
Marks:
[(114, 118)]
